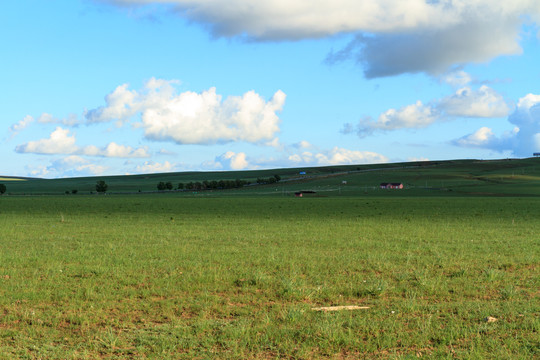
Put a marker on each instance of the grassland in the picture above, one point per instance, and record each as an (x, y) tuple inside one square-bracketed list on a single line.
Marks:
[(507, 177), (178, 276)]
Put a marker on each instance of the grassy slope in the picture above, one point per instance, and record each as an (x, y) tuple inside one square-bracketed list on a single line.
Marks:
[(174, 277), (458, 177)]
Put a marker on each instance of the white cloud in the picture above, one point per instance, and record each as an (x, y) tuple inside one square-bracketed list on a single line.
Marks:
[(69, 166), (229, 161), (457, 78), (44, 118), (21, 125), (303, 145), (480, 138), (429, 36), (154, 167), (465, 102), (166, 152), (526, 118), (115, 150), (523, 140), (336, 156), (340, 156), (304, 157), (75, 166), (414, 116), (484, 102), (194, 118), (61, 142), (121, 105), (415, 159), (237, 160), (71, 120)]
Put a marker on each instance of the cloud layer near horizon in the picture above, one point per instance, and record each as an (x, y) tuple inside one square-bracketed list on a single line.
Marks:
[(60, 142), (427, 36)]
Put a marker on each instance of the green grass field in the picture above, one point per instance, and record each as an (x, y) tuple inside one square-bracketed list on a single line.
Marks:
[(507, 177), (177, 276)]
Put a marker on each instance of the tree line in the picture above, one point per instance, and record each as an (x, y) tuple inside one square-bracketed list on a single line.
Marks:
[(101, 186), (215, 184)]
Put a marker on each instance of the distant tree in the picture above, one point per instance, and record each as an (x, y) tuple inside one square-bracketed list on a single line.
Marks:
[(168, 185), (74, 191), (101, 186), (161, 186), (2, 188), (239, 183), (277, 177), (180, 186)]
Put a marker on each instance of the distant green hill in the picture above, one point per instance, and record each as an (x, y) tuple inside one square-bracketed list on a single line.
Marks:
[(505, 177)]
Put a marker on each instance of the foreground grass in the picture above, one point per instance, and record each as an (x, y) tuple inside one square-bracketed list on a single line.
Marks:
[(165, 277)]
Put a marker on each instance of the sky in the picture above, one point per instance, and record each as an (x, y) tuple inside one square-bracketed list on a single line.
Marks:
[(114, 87)]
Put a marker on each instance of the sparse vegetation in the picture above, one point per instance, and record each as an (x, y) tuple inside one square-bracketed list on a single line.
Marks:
[(173, 277)]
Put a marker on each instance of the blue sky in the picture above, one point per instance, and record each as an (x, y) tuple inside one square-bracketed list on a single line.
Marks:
[(106, 87)]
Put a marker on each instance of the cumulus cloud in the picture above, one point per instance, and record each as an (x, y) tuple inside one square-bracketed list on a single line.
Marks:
[(71, 120), (70, 166), (61, 142), (303, 145), (154, 167), (482, 137), (121, 105), (484, 102), (522, 140), (229, 161), (414, 116), (115, 150), (336, 156), (456, 78), (21, 125), (237, 161), (193, 118), (426, 36), (75, 165)]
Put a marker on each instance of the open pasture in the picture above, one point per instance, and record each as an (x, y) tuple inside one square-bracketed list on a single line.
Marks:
[(506, 177), (149, 276)]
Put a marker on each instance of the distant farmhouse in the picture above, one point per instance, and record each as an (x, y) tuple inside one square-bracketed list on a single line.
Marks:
[(391, 185), (301, 193)]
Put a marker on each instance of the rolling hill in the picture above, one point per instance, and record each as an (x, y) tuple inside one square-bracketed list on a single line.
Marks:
[(505, 177)]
